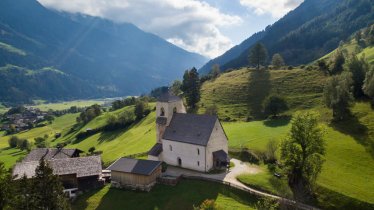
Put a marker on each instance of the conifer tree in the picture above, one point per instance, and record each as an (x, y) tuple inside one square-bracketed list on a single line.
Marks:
[(258, 55), (191, 88), (47, 189)]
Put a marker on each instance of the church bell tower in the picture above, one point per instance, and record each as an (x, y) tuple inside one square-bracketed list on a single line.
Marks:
[(166, 106)]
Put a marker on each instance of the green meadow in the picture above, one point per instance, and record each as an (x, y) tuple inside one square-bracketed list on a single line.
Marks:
[(185, 195), (66, 105)]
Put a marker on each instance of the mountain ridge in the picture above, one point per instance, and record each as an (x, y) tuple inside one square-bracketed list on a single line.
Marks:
[(308, 32), (115, 56)]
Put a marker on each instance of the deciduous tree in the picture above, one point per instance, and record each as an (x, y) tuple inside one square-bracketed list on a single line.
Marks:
[(338, 95), (368, 86), (277, 61), (358, 68), (302, 153), (275, 105)]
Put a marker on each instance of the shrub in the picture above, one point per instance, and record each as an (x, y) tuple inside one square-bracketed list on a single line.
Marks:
[(13, 141)]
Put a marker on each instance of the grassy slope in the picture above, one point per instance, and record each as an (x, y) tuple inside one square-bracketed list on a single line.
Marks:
[(60, 124), (353, 48), (232, 91), (349, 166), (348, 169), (137, 139), (183, 196), (67, 105)]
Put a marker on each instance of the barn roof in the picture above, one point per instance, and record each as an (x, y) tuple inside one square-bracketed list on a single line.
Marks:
[(135, 166), (50, 153), (156, 150), (190, 128), (81, 166)]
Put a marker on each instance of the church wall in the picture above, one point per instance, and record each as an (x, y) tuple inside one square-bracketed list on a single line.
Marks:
[(188, 153), (217, 141)]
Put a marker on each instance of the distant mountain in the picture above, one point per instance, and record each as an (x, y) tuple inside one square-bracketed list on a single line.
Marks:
[(310, 31), (111, 58)]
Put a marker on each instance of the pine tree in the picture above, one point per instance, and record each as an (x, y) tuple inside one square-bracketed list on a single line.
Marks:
[(191, 88), (47, 188), (258, 55), (5, 187)]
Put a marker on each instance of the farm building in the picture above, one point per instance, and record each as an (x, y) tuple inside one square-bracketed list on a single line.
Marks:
[(51, 153), (134, 173), (75, 173), (191, 141)]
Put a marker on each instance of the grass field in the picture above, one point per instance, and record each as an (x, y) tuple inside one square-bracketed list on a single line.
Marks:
[(139, 138), (241, 93), (349, 166), (183, 196), (67, 104)]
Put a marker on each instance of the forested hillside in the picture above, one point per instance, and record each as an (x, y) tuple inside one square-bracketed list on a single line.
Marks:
[(118, 58), (309, 32)]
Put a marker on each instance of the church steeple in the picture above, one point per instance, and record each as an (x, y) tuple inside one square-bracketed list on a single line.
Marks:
[(166, 106)]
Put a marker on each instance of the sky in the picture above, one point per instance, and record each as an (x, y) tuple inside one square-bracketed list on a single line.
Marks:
[(207, 27)]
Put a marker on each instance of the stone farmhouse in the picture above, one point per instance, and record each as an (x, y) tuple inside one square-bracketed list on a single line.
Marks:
[(191, 141)]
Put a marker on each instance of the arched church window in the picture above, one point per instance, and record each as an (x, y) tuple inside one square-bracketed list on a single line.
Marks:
[(198, 151), (171, 148), (175, 110), (162, 111)]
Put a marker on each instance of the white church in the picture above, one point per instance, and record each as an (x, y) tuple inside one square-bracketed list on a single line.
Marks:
[(191, 141)]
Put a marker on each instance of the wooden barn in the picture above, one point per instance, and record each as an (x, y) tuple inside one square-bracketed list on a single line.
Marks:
[(134, 173), (76, 174)]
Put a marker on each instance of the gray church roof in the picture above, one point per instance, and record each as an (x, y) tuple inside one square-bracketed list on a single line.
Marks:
[(155, 150), (190, 128), (135, 166), (168, 97), (81, 166)]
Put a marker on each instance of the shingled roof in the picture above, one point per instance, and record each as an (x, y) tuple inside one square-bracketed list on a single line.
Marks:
[(190, 128), (81, 166), (155, 150), (135, 166), (50, 153)]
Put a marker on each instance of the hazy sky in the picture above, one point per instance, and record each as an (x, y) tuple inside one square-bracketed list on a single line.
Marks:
[(208, 27)]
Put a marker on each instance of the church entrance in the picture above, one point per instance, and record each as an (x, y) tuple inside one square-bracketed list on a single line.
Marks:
[(179, 162)]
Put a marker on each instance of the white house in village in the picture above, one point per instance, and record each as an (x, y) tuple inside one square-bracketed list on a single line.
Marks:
[(191, 141)]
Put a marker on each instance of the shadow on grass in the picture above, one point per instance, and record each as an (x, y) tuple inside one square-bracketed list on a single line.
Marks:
[(277, 122), (354, 128), (328, 199), (185, 195), (258, 89)]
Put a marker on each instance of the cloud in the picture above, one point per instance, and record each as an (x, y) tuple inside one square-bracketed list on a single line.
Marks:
[(191, 24), (277, 8)]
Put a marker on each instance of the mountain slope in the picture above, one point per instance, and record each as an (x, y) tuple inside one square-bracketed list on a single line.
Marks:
[(310, 31), (116, 57)]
